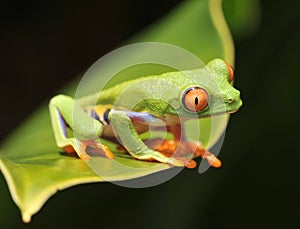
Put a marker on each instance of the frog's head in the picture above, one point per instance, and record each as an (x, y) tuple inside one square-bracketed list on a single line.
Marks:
[(213, 93)]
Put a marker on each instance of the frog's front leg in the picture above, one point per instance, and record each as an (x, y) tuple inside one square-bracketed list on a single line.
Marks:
[(65, 111), (130, 139)]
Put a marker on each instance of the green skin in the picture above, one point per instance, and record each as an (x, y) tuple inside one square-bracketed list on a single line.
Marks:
[(159, 97)]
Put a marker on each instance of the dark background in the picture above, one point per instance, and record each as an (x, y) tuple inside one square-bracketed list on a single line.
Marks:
[(45, 44)]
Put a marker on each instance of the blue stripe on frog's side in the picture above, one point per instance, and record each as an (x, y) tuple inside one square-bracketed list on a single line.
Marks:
[(62, 124), (99, 113), (94, 115), (141, 117), (105, 116), (102, 115)]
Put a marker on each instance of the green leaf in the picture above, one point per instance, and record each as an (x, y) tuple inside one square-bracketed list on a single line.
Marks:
[(35, 168), (243, 17)]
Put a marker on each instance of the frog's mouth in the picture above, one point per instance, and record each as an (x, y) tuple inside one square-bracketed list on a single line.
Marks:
[(234, 108), (231, 112), (220, 112), (226, 112)]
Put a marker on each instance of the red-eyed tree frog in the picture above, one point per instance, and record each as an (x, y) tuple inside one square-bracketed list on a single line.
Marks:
[(161, 100)]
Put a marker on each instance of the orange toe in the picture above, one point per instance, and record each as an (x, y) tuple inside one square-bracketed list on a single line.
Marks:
[(191, 164), (215, 163), (107, 152)]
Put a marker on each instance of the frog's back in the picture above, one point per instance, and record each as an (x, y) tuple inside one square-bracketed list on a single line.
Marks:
[(153, 84)]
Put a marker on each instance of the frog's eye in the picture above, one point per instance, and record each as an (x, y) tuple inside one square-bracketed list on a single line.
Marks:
[(195, 99), (231, 73)]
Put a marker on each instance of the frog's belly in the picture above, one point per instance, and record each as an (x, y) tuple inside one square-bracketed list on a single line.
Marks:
[(108, 131)]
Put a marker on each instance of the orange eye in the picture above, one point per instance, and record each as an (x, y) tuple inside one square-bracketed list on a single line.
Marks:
[(195, 99), (231, 73)]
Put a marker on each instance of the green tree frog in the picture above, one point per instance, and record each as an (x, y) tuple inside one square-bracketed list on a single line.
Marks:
[(176, 97)]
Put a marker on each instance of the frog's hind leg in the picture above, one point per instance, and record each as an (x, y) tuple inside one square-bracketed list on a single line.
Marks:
[(61, 111), (69, 145)]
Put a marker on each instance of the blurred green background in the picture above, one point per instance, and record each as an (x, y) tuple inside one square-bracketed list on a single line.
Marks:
[(45, 44)]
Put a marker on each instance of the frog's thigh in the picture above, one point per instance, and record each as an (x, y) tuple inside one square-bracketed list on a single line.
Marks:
[(64, 109)]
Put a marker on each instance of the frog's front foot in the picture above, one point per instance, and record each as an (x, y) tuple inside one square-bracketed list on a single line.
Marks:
[(156, 155), (170, 149), (205, 154), (183, 151)]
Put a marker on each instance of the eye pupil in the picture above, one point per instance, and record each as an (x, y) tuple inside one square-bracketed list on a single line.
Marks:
[(195, 99)]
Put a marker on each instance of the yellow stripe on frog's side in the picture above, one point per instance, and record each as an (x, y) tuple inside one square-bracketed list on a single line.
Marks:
[(100, 111)]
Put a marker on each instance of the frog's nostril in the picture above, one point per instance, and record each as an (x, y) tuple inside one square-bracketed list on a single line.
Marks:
[(230, 100)]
